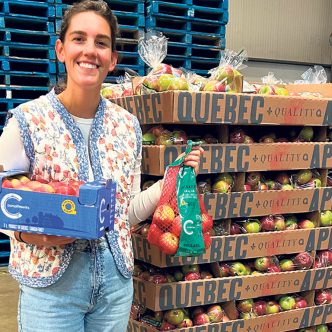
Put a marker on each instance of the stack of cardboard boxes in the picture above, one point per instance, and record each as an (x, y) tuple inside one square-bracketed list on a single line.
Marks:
[(221, 111)]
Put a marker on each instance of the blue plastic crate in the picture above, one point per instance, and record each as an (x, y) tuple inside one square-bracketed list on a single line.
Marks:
[(127, 6), (22, 92), (36, 66), (5, 245), (129, 58), (28, 51), (187, 12), (8, 104), (27, 37), (28, 24), (4, 258), (28, 9), (3, 114), (12, 78), (193, 50), (156, 22)]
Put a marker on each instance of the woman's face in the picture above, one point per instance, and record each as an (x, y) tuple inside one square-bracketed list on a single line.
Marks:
[(87, 51)]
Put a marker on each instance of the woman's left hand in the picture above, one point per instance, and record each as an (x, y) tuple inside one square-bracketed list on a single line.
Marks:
[(194, 157)]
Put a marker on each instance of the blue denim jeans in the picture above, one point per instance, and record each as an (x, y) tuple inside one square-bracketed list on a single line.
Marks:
[(92, 295)]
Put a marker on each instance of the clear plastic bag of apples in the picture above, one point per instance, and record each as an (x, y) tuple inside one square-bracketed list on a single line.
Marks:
[(152, 49)]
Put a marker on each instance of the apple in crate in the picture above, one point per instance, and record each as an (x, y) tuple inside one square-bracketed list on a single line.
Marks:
[(215, 313), (252, 226), (300, 303), (174, 316), (214, 86), (323, 296), (272, 307), (178, 83), (259, 307), (287, 303), (303, 261), (262, 264), (287, 265), (201, 319), (245, 305), (326, 218), (225, 74)]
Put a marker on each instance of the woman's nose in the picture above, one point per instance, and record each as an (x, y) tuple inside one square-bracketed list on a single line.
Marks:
[(89, 48)]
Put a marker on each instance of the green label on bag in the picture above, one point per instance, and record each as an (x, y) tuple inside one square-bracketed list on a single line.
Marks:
[(191, 239)]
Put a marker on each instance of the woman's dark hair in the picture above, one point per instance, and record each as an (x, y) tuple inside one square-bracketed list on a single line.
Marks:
[(99, 7)]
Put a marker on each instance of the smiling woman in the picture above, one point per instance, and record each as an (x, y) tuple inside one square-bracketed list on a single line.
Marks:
[(68, 284)]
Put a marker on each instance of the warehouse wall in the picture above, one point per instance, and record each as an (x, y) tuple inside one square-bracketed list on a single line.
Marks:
[(294, 33)]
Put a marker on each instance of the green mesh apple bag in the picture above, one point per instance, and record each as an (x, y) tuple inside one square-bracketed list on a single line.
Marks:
[(180, 224)]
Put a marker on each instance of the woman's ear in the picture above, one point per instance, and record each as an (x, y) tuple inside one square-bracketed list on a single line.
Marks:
[(114, 59), (59, 50)]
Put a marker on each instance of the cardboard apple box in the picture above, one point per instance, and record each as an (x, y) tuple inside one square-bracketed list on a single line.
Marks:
[(87, 216), (184, 294), (225, 108), (237, 247), (280, 322), (220, 158)]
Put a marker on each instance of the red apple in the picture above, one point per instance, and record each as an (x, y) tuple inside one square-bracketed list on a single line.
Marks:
[(267, 223), (237, 136), (192, 276), (259, 307), (303, 261), (323, 296), (235, 229), (201, 319), (300, 303)]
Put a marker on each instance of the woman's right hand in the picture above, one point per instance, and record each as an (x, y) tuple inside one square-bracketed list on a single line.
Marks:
[(42, 239)]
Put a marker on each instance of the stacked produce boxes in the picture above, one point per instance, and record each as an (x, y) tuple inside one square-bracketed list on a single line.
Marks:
[(288, 263), (195, 31), (131, 19)]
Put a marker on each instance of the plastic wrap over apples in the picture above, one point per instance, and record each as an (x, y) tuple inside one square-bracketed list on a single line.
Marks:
[(196, 82), (271, 85), (306, 178), (113, 90), (314, 75), (227, 77), (323, 259), (152, 48)]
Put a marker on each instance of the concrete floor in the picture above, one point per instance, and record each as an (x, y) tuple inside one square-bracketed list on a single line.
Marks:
[(8, 302)]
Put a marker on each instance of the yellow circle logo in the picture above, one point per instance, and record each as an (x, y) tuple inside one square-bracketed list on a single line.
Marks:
[(68, 206)]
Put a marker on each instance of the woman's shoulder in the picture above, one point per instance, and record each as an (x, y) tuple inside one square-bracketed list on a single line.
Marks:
[(119, 110)]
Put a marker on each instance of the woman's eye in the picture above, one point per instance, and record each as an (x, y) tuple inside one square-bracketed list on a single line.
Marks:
[(101, 43), (78, 39)]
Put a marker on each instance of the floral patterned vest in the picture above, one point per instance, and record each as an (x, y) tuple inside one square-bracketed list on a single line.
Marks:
[(57, 151)]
